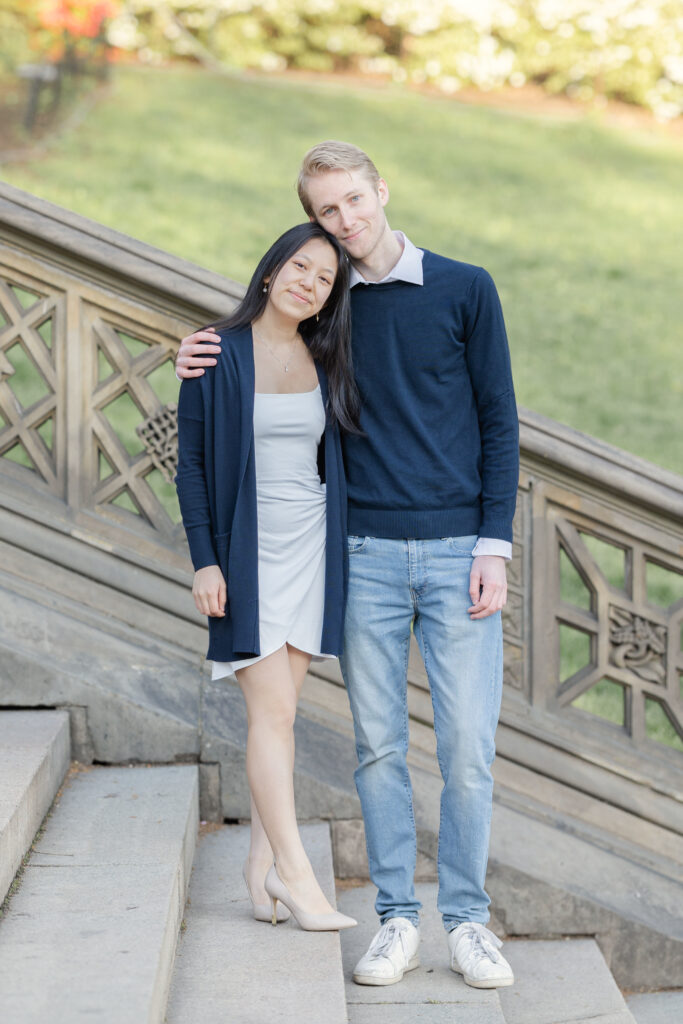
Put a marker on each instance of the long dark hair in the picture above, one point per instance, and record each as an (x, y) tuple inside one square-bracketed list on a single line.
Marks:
[(329, 337)]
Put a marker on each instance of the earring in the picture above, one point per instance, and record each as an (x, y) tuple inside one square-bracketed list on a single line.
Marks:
[(317, 318), (265, 287)]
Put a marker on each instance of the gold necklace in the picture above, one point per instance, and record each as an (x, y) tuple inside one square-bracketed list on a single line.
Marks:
[(285, 366)]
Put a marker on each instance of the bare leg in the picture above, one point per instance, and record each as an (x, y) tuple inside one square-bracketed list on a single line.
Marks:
[(260, 851), (271, 688), (260, 857)]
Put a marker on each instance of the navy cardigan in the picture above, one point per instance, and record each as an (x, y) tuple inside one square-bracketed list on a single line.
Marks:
[(216, 483)]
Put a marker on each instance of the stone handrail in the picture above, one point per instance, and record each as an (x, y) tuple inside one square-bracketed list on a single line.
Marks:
[(90, 321)]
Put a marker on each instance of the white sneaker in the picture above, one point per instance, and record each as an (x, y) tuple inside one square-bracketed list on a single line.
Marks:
[(474, 954), (392, 952)]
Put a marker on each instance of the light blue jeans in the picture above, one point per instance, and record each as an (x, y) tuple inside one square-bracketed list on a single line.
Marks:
[(393, 583)]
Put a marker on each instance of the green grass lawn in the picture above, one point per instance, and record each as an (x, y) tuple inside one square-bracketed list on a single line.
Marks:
[(579, 223)]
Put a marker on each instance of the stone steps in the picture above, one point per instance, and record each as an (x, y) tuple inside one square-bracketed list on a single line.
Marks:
[(549, 878), (553, 870), (34, 758), (91, 931), (556, 982), (230, 967), (93, 928), (563, 982), (656, 1007), (141, 698)]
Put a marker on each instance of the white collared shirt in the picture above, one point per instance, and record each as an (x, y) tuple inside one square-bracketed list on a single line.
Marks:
[(409, 269)]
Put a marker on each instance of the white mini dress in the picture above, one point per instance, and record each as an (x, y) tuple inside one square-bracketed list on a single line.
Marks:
[(291, 525)]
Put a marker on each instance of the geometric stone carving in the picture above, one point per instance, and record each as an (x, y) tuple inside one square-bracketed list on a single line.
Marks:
[(159, 434), (513, 661), (611, 641), (512, 615), (515, 567), (637, 644), (515, 674), (28, 381), (133, 422)]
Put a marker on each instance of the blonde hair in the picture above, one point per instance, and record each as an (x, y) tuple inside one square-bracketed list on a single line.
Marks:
[(332, 156)]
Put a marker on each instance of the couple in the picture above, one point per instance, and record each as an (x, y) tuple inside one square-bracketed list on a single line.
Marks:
[(359, 362)]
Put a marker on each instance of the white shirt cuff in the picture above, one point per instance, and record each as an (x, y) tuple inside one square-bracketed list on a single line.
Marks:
[(489, 546)]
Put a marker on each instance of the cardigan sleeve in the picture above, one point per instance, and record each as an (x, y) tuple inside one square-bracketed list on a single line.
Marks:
[(488, 361), (190, 479)]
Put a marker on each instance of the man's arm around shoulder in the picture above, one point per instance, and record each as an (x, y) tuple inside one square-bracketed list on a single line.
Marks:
[(197, 351)]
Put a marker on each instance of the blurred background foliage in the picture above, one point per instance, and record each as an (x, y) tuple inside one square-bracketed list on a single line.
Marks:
[(630, 50), (45, 29)]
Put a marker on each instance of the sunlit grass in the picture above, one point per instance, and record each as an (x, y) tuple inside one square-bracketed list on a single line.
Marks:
[(579, 223)]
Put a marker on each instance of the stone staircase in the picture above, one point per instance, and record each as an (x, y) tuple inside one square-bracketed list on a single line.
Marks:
[(91, 930), (563, 861), (230, 967), (103, 921)]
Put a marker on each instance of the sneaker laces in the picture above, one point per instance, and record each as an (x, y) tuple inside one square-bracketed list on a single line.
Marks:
[(385, 939), (483, 942)]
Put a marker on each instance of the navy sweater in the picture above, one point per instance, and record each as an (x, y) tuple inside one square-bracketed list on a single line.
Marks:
[(440, 456)]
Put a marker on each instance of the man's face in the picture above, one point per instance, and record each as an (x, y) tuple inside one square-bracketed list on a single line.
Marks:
[(350, 207)]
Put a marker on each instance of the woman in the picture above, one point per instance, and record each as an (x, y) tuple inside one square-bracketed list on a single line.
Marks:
[(257, 438)]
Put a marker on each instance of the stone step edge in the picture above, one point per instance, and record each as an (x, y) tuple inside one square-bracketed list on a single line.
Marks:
[(561, 981), (57, 837), (229, 967), (34, 794)]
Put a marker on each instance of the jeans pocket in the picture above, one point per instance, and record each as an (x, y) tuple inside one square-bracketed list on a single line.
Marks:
[(356, 543), (462, 546)]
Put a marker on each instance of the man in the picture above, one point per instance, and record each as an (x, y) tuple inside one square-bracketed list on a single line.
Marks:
[(432, 487)]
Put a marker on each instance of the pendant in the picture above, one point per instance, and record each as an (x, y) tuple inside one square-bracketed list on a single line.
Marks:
[(286, 369)]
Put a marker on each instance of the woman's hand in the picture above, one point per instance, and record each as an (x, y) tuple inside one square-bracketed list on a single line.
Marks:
[(209, 591)]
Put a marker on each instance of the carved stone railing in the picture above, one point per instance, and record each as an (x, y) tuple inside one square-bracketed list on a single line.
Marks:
[(89, 322), (608, 612)]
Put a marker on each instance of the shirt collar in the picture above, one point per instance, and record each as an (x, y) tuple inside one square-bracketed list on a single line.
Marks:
[(408, 268)]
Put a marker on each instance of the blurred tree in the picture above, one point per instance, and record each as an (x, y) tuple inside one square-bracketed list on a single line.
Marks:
[(630, 50)]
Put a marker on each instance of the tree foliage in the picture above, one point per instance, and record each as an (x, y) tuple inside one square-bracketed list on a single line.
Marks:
[(31, 29), (625, 49), (630, 50)]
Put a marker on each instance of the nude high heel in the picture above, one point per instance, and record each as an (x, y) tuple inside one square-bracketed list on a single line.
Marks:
[(262, 911), (331, 922)]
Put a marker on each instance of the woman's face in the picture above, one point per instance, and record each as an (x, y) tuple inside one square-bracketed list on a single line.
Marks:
[(304, 282)]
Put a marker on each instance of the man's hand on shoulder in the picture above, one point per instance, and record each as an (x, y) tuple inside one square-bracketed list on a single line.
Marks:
[(197, 351), (488, 586)]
